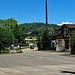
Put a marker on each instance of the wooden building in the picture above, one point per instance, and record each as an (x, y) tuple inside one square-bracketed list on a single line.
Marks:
[(62, 37)]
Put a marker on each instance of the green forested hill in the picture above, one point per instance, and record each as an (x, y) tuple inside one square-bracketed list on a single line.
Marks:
[(29, 27)]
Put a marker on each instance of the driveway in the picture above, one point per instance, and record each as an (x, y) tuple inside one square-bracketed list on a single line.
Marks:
[(33, 62)]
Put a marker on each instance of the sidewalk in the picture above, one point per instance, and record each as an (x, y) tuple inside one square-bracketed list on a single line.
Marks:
[(28, 49), (50, 51)]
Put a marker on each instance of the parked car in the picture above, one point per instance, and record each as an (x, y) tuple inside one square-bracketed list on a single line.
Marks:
[(31, 45)]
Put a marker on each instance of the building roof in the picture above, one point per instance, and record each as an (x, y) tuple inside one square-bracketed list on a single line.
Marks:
[(70, 25)]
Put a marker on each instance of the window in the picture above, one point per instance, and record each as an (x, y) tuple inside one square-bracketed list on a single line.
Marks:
[(65, 33)]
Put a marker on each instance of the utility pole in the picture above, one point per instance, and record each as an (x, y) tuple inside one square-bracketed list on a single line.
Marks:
[(46, 16)]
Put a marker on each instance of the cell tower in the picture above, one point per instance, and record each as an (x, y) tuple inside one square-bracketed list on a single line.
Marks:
[(28, 18)]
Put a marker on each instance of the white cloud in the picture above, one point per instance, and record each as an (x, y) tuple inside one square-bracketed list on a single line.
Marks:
[(64, 23)]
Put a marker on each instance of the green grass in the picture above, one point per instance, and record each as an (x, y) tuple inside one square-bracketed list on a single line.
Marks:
[(5, 51), (24, 47)]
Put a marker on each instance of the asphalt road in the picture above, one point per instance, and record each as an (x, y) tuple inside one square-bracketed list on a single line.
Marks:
[(33, 62)]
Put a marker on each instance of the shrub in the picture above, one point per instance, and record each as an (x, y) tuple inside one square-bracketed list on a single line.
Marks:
[(18, 50), (72, 42), (5, 51)]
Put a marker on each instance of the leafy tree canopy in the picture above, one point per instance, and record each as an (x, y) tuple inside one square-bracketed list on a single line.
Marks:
[(72, 42), (30, 27)]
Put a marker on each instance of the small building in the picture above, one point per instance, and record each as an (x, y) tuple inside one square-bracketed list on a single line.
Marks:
[(31, 40), (62, 37)]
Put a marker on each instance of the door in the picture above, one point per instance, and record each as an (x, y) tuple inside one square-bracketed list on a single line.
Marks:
[(67, 44)]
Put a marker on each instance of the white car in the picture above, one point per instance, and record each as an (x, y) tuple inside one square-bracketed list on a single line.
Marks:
[(31, 45)]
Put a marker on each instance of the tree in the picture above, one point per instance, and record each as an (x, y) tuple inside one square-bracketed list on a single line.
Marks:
[(72, 42), (44, 41), (34, 33), (30, 27), (6, 36), (10, 23), (19, 33), (39, 42)]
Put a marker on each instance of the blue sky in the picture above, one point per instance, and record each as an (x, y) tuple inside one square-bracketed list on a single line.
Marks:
[(25, 11)]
